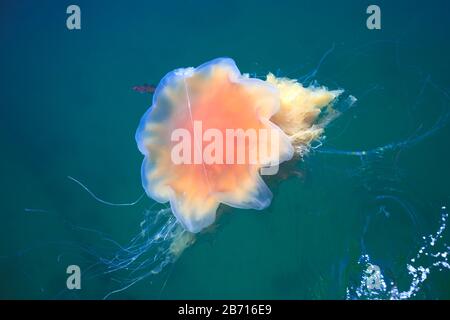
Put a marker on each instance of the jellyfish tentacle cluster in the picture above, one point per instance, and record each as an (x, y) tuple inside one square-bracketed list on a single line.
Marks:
[(159, 243)]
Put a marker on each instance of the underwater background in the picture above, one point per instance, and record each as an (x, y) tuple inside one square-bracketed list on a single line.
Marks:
[(67, 108)]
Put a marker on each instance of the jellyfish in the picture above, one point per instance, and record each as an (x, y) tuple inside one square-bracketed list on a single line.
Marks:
[(200, 108)]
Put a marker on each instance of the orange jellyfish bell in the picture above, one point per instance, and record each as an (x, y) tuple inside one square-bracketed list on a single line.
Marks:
[(206, 139)]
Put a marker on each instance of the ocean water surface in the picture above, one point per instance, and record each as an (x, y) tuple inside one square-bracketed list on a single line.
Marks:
[(372, 192)]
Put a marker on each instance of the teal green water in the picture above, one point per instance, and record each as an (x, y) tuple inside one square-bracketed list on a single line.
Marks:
[(67, 108)]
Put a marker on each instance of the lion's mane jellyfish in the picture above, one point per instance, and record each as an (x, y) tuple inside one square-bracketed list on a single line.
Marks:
[(199, 108), (216, 111)]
